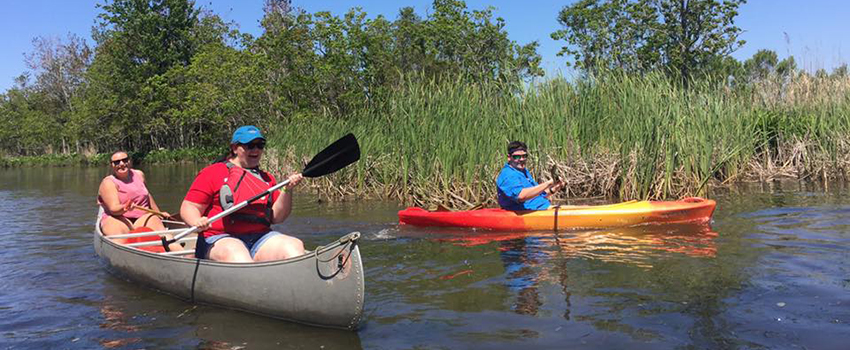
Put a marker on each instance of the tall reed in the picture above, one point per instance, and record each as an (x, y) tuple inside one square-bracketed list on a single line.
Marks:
[(628, 137)]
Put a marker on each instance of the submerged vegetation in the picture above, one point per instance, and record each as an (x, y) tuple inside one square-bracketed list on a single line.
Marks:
[(435, 99)]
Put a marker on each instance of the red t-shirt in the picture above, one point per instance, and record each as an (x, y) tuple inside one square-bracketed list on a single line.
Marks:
[(205, 191)]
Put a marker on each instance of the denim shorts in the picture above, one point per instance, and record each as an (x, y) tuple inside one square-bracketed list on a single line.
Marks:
[(252, 241)]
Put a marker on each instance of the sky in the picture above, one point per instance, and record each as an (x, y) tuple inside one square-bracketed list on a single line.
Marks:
[(815, 32)]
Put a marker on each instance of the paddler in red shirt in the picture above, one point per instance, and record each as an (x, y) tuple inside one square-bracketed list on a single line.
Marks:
[(246, 235)]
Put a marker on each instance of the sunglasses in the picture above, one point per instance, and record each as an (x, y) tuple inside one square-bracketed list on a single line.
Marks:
[(122, 160), (253, 145), (519, 156)]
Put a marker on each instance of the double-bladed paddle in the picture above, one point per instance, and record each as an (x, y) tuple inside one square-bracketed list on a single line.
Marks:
[(338, 155)]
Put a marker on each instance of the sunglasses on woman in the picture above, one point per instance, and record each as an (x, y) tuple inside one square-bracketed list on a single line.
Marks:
[(119, 161), (253, 145)]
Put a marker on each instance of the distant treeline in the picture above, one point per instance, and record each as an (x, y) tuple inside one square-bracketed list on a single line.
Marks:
[(168, 74), (657, 108), (171, 74)]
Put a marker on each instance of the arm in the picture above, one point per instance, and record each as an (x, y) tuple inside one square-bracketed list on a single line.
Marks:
[(556, 187), (531, 192), (198, 199), (109, 195), (283, 205), (191, 213)]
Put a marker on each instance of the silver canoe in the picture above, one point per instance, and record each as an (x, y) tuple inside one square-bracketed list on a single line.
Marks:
[(322, 288)]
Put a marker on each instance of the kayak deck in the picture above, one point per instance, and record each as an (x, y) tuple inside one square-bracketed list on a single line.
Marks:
[(688, 210)]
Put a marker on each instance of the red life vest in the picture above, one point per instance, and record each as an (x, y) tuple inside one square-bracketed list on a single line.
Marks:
[(241, 185)]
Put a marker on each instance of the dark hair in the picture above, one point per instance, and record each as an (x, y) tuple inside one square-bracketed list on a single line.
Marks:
[(118, 151), (516, 146), (225, 157)]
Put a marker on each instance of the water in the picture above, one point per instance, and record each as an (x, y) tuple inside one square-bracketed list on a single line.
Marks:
[(771, 272)]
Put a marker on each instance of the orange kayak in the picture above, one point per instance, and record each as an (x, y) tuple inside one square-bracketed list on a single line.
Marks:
[(688, 210)]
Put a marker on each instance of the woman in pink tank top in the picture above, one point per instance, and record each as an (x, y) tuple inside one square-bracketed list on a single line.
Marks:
[(121, 194)]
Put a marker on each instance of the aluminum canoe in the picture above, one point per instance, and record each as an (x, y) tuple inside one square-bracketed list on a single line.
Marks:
[(324, 287)]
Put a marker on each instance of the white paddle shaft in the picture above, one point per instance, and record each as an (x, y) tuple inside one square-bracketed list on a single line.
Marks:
[(232, 209)]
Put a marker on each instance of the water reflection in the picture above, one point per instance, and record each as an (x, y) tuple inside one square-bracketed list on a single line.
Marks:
[(631, 245), (135, 317), (117, 321), (775, 277), (527, 256)]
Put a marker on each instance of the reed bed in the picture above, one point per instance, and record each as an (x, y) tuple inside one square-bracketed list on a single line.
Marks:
[(616, 137)]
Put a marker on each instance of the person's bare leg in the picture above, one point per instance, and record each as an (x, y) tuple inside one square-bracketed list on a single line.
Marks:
[(280, 247), (230, 249), (111, 226)]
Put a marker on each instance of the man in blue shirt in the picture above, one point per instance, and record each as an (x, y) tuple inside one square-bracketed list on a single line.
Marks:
[(517, 189)]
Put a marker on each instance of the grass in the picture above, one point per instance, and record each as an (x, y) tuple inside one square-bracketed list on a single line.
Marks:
[(619, 137)]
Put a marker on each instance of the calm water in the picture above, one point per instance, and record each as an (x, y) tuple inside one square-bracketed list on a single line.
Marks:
[(770, 273)]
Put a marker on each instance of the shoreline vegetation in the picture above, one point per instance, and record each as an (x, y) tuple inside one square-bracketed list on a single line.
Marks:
[(435, 99), (620, 137), (102, 159)]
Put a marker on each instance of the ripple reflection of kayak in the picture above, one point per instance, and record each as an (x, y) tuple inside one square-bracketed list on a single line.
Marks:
[(618, 244)]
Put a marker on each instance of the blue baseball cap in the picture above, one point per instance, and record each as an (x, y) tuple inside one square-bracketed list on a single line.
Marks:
[(246, 134)]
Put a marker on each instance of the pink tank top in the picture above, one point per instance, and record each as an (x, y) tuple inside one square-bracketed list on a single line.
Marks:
[(134, 190)]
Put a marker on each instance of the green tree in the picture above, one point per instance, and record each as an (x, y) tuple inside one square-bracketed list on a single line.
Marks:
[(147, 37), (685, 37), (786, 67), (459, 42), (840, 71), (60, 68), (333, 65), (762, 65), (144, 47)]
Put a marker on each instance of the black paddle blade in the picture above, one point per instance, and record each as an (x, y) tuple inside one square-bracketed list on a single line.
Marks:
[(334, 157)]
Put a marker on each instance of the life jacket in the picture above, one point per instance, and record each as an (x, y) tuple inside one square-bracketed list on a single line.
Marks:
[(239, 186)]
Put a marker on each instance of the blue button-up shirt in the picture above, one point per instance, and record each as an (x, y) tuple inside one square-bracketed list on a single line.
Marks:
[(511, 182)]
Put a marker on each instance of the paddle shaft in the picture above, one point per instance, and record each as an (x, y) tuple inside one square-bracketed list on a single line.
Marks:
[(152, 211), (144, 234), (232, 209), (336, 156)]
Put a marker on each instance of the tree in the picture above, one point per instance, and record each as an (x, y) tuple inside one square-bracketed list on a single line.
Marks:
[(840, 71), (786, 67), (144, 47), (761, 65), (147, 37), (335, 65), (474, 43), (684, 37), (59, 69)]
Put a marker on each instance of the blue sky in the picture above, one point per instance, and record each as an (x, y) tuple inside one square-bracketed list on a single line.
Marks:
[(815, 31)]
